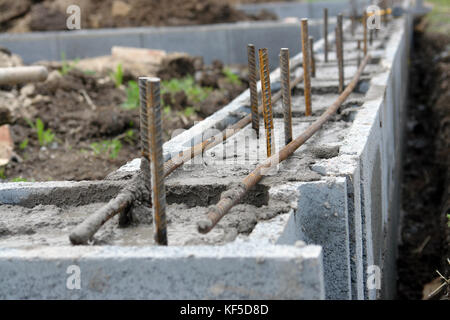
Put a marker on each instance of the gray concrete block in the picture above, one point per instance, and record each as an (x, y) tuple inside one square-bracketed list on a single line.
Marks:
[(91, 43), (235, 271), (32, 47), (322, 218)]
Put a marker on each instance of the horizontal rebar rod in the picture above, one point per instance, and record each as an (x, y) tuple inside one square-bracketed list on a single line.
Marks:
[(135, 190), (15, 75), (233, 196)]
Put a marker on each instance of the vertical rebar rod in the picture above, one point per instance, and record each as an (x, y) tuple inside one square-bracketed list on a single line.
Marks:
[(364, 21), (306, 67), (253, 76), (311, 54), (143, 120), (286, 94), (325, 34), (267, 100), (359, 53), (154, 120), (340, 52), (352, 16)]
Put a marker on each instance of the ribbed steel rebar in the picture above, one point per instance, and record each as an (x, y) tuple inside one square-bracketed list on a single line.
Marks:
[(266, 94), (325, 34), (311, 54), (306, 67), (233, 196), (154, 122), (286, 94), (253, 77), (340, 52)]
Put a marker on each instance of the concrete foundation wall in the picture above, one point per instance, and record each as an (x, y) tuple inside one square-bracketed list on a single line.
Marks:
[(348, 218)]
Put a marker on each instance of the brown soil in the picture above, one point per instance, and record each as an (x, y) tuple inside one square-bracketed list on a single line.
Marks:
[(62, 104), (425, 235), (28, 15)]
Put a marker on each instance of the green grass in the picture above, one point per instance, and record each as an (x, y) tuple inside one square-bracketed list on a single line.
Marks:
[(132, 91), (67, 66), (439, 17), (193, 91), (111, 148), (23, 144), (117, 76), (45, 137), (231, 77)]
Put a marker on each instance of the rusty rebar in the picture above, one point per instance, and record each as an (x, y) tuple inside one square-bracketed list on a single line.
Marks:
[(306, 67), (266, 94), (286, 93), (364, 21), (358, 62), (154, 121), (143, 129), (353, 16), (233, 196), (340, 52), (252, 77), (137, 188), (325, 34), (311, 54)]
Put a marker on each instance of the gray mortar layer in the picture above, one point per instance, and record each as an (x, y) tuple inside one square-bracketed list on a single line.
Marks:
[(339, 236)]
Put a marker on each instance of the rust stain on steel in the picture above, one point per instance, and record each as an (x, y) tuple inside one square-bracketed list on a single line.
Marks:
[(306, 67), (267, 100), (156, 159), (286, 93), (253, 76), (233, 196)]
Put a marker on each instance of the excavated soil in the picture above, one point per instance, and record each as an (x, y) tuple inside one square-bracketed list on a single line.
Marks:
[(82, 110), (45, 15), (425, 234)]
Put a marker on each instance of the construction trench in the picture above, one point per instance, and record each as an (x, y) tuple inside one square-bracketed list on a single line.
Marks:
[(312, 228)]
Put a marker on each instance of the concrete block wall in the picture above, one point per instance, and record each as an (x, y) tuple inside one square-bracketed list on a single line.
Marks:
[(226, 42), (348, 219)]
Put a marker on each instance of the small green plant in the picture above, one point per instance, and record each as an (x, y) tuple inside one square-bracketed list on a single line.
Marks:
[(132, 91), (89, 72), (18, 179), (193, 91), (45, 137), (117, 76), (231, 77), (67, 66), (189, 111), (108, 147), (2, 173), (448, 220), (129, 136), (23, 144), (166, 110)]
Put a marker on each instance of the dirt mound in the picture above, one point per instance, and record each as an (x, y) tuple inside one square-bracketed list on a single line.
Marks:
[(27, 15), (82, 125)]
